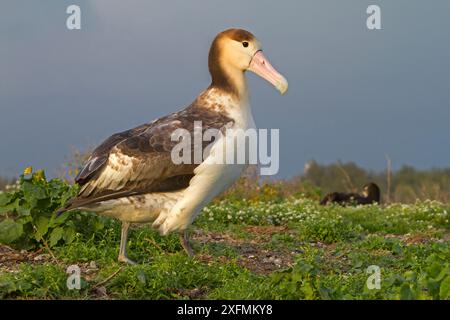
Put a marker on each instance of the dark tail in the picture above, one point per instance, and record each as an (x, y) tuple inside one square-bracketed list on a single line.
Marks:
[(60, 212), (67, 207)]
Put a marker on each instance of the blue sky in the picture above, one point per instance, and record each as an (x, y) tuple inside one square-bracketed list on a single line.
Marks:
[(354, 94)]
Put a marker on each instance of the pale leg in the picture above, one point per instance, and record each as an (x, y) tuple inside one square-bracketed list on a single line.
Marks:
[(184, 239), (123, 257)]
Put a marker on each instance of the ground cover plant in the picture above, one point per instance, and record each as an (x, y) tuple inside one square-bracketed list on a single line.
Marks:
[(268, 248)]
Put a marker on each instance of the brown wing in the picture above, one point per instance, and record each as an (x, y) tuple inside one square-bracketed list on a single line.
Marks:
[(139, 161)]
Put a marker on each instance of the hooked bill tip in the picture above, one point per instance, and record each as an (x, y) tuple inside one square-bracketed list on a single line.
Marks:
[(282, 86)]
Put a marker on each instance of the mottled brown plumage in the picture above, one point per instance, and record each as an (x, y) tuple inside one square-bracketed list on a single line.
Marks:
[(149, 146)]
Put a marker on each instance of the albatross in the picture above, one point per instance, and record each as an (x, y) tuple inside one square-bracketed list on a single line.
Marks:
[(371, 194), (131, 175)]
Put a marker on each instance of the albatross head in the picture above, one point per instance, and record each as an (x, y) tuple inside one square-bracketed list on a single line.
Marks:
[(235, 51)]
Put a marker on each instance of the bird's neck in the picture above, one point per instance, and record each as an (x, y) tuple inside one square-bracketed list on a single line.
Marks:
[(231, 81)]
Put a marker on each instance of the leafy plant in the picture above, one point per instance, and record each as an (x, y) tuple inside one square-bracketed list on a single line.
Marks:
[(289, 248), (27, 218)]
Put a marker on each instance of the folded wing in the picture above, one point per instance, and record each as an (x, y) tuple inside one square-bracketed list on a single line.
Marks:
[(138, 161)]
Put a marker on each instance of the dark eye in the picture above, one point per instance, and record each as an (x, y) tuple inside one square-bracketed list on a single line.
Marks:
[(245, 44)]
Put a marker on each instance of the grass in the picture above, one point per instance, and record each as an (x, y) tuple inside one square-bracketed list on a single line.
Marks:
[(289, 249)]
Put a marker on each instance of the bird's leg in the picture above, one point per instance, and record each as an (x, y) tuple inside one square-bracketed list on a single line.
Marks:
[(184, 239), (123, 244)]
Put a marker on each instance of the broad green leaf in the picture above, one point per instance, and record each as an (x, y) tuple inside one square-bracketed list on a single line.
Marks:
[(444, 291), (5, 198), (41, 224), (59, 220), (308, 290), (442, 274), (55, 236), (434, 269), (33, 191), (406, 293), (433, 288), (69, 235), (397, 248), (10, 206), (24, 219), (410, 276), (56, 188), (10, 231), (23, 210)]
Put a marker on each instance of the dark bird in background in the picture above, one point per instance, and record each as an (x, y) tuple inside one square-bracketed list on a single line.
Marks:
[(370, 194)]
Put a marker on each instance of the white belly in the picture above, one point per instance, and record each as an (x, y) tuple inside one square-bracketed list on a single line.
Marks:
[(137, 209)]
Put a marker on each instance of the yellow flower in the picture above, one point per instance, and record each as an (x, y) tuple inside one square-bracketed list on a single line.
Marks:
[(39, 175), (28, 170)]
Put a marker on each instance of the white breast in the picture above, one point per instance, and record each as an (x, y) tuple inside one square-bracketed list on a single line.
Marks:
[(210, 178)]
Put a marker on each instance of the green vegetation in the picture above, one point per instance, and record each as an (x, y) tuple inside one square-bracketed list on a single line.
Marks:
[(405, 185), (27, 213), (260, 248)]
